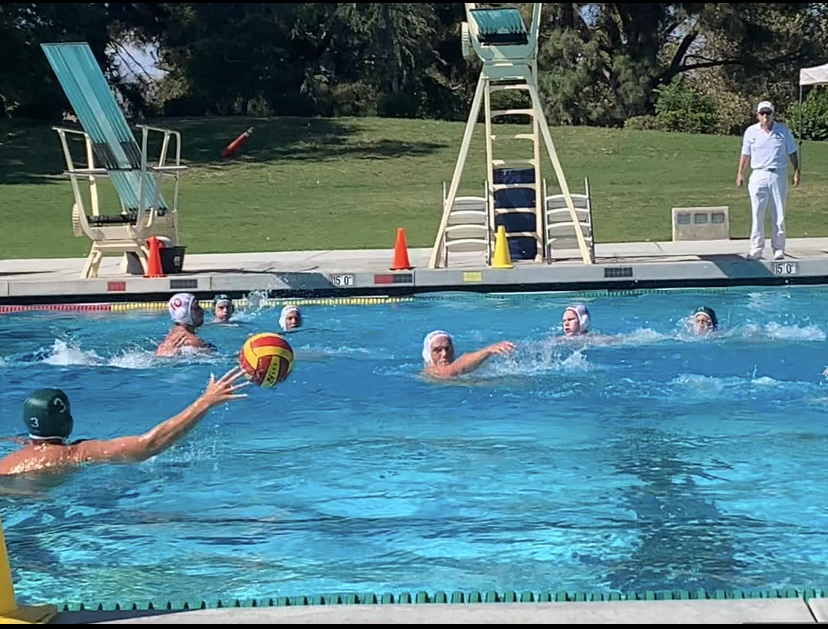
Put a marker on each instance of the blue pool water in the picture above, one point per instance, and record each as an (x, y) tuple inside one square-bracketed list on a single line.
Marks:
[(654, 461)]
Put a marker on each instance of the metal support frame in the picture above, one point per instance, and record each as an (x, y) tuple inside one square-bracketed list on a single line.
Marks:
[(124, 234)]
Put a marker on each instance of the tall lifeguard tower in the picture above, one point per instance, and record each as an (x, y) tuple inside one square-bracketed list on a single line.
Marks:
[(514, 192)]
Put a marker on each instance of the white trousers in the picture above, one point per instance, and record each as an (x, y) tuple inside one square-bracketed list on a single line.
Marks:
[(768, 189)]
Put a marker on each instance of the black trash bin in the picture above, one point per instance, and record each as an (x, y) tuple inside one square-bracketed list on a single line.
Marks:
[(172, 259)]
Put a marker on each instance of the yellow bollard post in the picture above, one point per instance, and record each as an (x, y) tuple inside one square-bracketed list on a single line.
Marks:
[(10, 613), (502, 258)]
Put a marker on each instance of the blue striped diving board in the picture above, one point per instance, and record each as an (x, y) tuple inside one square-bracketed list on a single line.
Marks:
[(113, 143)]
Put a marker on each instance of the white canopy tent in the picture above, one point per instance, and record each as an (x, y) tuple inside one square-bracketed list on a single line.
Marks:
[(816, 75)]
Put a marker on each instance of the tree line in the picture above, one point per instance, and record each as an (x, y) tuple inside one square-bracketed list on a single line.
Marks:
[(675, 66)]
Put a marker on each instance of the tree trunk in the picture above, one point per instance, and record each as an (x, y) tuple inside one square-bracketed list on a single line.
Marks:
[(392, 70)]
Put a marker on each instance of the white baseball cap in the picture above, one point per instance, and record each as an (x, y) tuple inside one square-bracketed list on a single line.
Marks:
[(763, 106)]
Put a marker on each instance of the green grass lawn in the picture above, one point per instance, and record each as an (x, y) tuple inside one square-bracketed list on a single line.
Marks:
[(302, 184)]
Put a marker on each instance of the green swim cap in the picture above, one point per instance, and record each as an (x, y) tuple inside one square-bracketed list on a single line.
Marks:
[(47, 415), (223, 299)]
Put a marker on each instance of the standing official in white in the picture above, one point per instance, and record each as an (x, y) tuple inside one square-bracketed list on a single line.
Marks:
[(767, 145)]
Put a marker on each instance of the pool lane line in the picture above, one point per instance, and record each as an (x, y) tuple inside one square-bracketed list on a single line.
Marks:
[(441, 597), (270, 303), (206, 304), (368, 301)]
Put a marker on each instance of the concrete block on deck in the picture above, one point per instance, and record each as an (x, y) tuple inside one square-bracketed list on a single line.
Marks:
[(701, 223)]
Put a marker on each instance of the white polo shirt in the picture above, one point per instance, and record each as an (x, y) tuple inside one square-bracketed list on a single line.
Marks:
[(768, 151)]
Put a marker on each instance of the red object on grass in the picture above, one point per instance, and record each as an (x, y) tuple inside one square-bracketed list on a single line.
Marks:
[(234, 146)]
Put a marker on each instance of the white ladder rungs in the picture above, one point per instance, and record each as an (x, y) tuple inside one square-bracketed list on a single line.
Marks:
[(512, 112), (515, 210), (524, 235), (503, 162), (517, 136), (512, 186)]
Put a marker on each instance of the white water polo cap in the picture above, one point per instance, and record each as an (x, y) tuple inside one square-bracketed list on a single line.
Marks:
[(583, 316), (429, 339), (181, 308)]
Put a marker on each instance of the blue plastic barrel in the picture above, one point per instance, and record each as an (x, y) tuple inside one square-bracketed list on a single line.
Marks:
[(520, 247)]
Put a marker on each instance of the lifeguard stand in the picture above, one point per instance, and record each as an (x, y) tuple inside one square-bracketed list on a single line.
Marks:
[(513, 187)]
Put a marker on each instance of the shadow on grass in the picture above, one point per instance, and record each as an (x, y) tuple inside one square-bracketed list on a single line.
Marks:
[(30, 152), (277, 139)]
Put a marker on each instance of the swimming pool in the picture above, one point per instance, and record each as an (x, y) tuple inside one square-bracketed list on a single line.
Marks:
[(657, 461)]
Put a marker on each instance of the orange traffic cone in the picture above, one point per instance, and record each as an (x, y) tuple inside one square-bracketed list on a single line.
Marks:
[(154, 268), (234, 146), (401, 261)]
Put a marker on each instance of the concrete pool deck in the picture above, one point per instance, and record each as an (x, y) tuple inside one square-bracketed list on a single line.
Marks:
[(618, 266)]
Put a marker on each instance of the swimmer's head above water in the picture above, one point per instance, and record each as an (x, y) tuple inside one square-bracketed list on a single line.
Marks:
[(438, 348), (705, 320), (290, 318), (223, 308), (186, 311), (575, 320)]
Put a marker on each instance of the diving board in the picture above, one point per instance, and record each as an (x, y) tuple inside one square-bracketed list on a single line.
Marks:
[(112, 151)]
